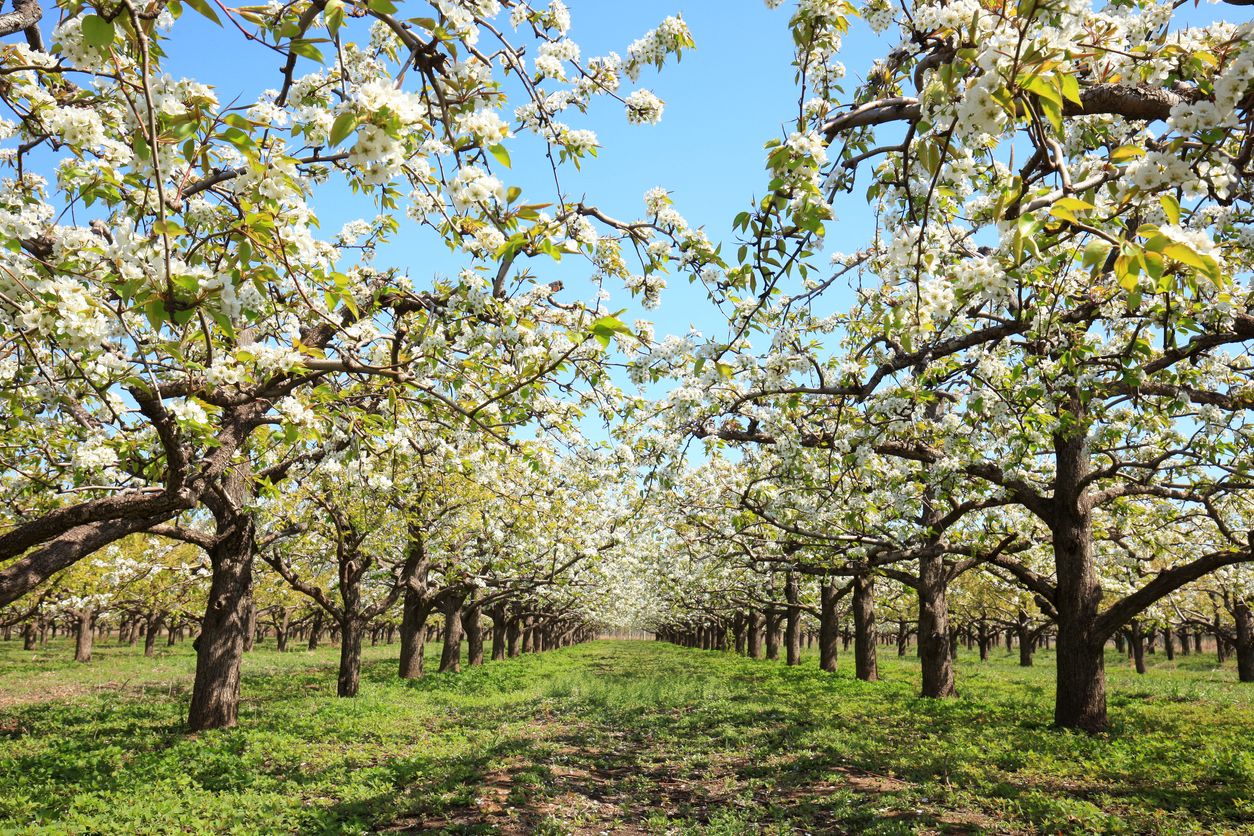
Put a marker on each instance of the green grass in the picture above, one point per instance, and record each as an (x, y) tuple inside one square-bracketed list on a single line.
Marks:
[(634, 735)]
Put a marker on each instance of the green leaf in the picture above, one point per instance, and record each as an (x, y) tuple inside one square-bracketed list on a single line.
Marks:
[(306, 49), (502, 156), (725, 370), (1126, 152), (344, 125), (205, 9), (513, 194), (1095, 253), (98, 32), (1171, 206), (383, 7), (333, 14)]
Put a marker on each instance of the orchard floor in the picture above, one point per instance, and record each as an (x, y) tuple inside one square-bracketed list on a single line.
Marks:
[(619, 738)]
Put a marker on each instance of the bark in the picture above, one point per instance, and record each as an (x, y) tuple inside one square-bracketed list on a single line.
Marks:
[(866, 667), (413, 633), (1245, 640), (792, 634), (772, 633), (351, 630), (739, 621), (829, 626), (1080, 693), (220, 647), (935, 658), (1169, 644), (155, 621), (1026, 639), (281, 630), (754, 634), (250, 632), (499, 623), (29, 635), (472, 624), (1136, 641), (85, 635), (315, 630), (528, 642), (513, 636), (451, 657)]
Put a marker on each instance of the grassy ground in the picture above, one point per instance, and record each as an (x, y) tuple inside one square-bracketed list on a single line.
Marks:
[(614, 738)]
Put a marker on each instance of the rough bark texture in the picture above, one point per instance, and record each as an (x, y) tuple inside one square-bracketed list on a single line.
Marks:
[(934, 656), (792, 634), (150, 635), (1080, 695), (1136, 642), (85, 634), (472, 624), (451, 657), (829, 627), (351, 631), (866, 666), (220, 647), (315, 630), (413, 633), (499, 621), (1245, 640), (772, 633), (1026, 639), (754, 635)]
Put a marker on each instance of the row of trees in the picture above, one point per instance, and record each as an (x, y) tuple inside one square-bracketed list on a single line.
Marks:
[(1044, 377)]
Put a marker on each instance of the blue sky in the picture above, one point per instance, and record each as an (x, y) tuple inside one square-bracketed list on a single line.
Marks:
[(723, 101)]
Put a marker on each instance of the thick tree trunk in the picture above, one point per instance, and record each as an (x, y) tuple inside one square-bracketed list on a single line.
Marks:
[(451, 657), (250, 632), (738, 632), (513, 636), (1136, 640), (792, 634), (155, 619), (472, 624), (351, 631), (935, 658), (1184, 641), (315, 630), (772, 633), (754, 637), (499, 624), (220, 646), (1026, 640), (29, 636), (1169, 644), (984, 639), (86, 634), (413, 633), (829, 627), (1245, 640), (866, 667), (1080, 695), (281, 631)]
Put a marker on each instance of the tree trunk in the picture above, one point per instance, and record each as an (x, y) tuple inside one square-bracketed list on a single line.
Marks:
[(315, 630), (86, 634), (866, 667), (513, 636), (281, 630), (1080, 692), (1026, 640), (1184, 641), (984, 639), (413, 633), (1136, 640), (250, 634), (1245, 640), (220, 646), (451, 658), (499, 623), (772, 633), (29, 636), (792, 634), (754, 635), (472, 624), (1169, 644), (738, 631), (155, 620), (351, 630), (829, 627), (935, 658)]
